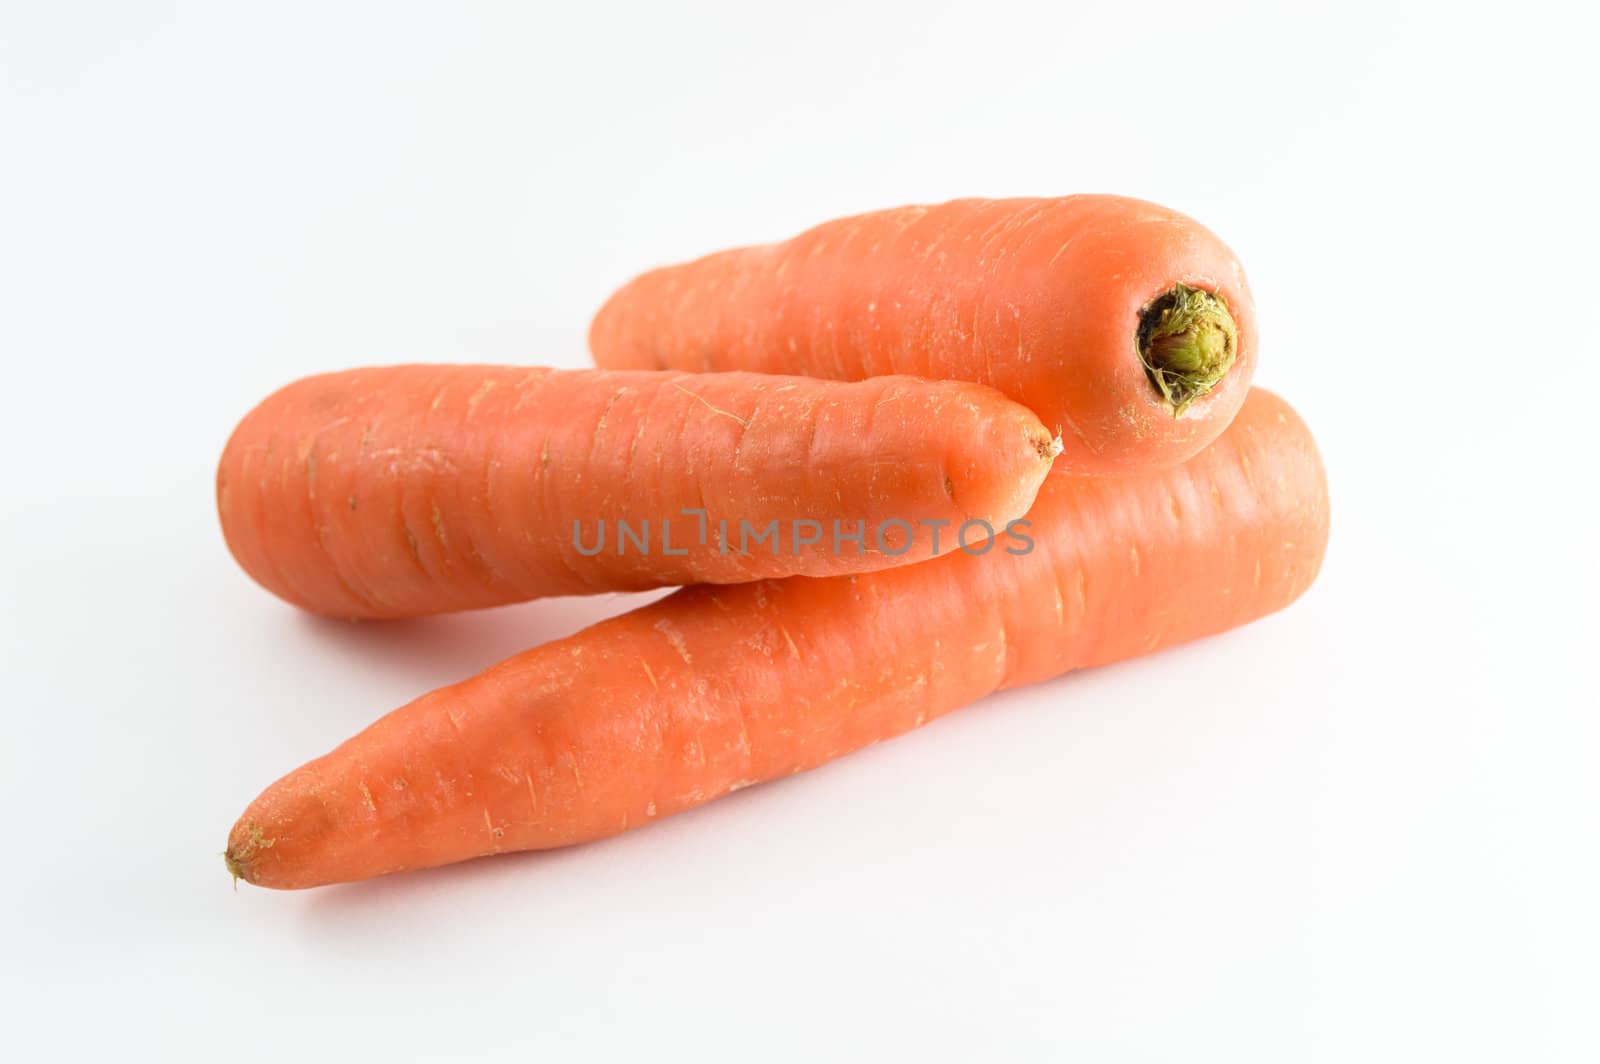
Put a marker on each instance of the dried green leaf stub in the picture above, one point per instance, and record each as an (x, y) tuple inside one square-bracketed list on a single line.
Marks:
[(1187, 342)]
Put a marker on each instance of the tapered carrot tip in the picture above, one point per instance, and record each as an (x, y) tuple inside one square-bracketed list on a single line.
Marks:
[(244, 843)]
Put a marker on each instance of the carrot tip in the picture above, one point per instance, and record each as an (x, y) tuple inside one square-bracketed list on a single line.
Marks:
[(1187, 341), (239, 852)]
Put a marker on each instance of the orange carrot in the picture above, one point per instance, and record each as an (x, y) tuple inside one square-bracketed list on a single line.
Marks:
[(716, 688), (1126, 326), (403, 490)]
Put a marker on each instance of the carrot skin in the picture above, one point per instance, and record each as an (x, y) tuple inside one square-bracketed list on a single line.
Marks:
[(716, 688), (1040, 298), (403, 490)]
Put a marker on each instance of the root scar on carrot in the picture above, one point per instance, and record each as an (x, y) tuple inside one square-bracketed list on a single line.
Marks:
[(715, 410)]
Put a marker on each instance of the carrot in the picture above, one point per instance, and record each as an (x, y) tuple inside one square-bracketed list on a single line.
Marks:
[(1126, 326), (716, 688), (404, 490)]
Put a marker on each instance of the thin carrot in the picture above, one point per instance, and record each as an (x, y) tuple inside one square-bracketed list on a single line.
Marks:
[(403, 490), (716, 688), (1128, 327)]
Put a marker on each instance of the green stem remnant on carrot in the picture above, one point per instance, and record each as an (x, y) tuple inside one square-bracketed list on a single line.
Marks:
[(1040, 299), (1187, 342)]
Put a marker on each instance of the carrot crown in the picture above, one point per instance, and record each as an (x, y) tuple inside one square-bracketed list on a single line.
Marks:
[(1187, 342)]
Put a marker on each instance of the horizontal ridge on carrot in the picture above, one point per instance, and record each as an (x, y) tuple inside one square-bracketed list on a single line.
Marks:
[(715, 688), (403, 490), (1126, 326)]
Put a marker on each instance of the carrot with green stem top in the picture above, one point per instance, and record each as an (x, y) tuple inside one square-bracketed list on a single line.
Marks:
[(1128, 327), (403, 490), (716, 688)]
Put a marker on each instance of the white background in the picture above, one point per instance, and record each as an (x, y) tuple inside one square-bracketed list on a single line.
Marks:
[(1362, 829)]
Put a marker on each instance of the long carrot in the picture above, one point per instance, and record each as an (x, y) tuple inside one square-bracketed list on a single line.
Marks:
[(1128, 327), (416, 489), (716, 688)]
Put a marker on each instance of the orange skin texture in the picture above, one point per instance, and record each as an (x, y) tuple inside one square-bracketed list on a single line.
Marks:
[(1039, 298), (404, 490), (716, 688)]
